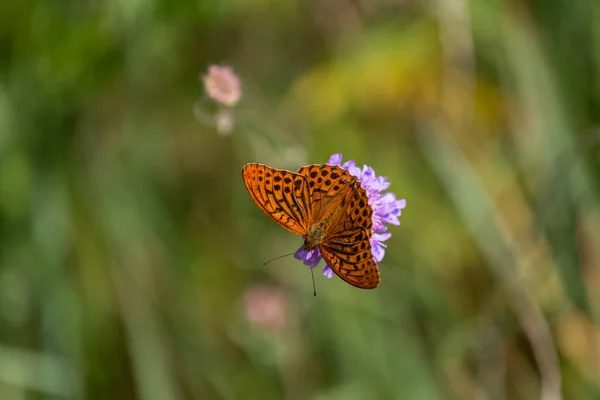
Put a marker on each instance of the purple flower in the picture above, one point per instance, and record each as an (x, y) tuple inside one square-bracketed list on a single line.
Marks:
[(386, 209)]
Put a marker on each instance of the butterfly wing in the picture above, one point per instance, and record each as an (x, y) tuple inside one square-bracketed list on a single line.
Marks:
[(347, 248), (348, 254), (282, 195), (329, 186)]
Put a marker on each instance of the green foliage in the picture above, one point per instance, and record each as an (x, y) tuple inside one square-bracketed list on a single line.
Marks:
[(131, 255)]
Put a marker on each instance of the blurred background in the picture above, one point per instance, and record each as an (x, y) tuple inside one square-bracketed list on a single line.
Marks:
[(131, 254)]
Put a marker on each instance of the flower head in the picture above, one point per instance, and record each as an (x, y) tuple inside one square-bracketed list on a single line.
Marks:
[(222, 85), (386, 209)]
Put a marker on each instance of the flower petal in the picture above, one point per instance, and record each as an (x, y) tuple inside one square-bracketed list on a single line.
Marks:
[(381, 237), (310, 257), (377, 249), (328, 272), (380, 184), (367, 176), (378, 226), (335, 159)]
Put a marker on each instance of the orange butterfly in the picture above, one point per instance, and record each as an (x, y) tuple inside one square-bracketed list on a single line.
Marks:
[(326, 205)]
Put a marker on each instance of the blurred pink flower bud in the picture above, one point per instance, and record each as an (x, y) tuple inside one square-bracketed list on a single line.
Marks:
[(222, 85), (265, 307)]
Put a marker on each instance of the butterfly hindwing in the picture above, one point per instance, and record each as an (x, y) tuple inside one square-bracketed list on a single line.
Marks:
[(282, 195), (348, 254)]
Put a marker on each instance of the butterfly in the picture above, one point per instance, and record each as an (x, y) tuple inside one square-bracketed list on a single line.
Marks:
[(328, 207)]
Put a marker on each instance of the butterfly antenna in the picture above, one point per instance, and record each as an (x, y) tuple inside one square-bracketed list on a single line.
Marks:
[(277, 258), (313, 279)]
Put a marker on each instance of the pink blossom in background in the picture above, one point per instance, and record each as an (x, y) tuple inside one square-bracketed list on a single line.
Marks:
[(222, 85), (265, 306)]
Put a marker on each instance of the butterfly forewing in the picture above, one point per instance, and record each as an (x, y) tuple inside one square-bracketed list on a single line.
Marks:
[(282, 195), (358, 211), (329, 186)]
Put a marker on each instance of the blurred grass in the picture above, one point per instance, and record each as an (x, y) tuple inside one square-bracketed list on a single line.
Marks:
[(131, 255)]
